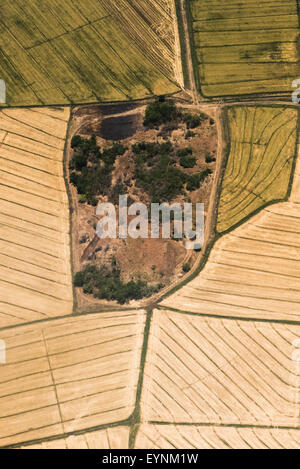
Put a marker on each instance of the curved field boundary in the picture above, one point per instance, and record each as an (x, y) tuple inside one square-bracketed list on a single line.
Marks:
[(253, 271), (262, 153), (213, 371), (35, 272), (69, 377), (245, 47)]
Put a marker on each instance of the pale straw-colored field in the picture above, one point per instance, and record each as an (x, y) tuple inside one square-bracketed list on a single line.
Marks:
[(214, 437), (253, 271), (35, 270), (109, 438), (202, 370), (70, 374)]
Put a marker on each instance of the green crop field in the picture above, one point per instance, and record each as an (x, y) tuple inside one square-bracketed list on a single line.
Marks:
[(75, 51), (245, 46), (262, 151)]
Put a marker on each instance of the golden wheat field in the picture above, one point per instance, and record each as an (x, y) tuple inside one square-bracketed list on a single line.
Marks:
[(220, 372), (82, 51), (215, 437), (109, 438), (69, 374), (35, 271), (260, 161)]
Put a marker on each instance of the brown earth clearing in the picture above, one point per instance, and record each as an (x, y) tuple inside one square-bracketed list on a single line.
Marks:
[(156, 261)]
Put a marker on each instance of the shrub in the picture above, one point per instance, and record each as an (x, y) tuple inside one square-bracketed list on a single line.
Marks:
[(185, 152), (79, 279), (192, 121), (160, 113), (209, 158), (82, 198), (189, 135), (186, 267), (91, 169), (195, 180), (155, 171), (76, 141), (188, 161)]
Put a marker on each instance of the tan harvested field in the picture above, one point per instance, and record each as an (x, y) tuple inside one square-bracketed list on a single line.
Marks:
[(69, 374), (35, 271), (220, 371), (109, 438), (214, 437), (254, 270)]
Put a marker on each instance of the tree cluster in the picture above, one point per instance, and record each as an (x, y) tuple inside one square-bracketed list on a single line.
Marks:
[(91, 168), (106, 284), (156, 172)]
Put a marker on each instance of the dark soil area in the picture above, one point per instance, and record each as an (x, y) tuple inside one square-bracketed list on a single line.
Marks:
[(119, 128)]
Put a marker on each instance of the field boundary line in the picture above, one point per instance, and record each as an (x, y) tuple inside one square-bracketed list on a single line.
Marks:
[(228, 425), (122, 423), (232, 318)]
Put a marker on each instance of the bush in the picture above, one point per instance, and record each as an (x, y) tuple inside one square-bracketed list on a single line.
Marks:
[(209, 158), (192, 121), (79, 279), (82, 198), (160, 113), (185, 152), (155, 171), (195, 180), (76, 141), (189, 135), (188, 161), (186, 267)]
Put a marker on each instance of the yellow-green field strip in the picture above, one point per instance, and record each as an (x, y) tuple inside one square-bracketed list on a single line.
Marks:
[(245, 47)]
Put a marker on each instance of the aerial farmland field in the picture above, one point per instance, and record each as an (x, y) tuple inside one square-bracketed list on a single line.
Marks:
[(69, 374), (97, 51), (109, 438), (35, 267), (252, 271), (215, 437), (219, 371), (245, 47), (261, 158), (151, 336)]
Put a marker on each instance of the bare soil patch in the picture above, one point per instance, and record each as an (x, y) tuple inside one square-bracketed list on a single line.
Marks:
[(155, 261)]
